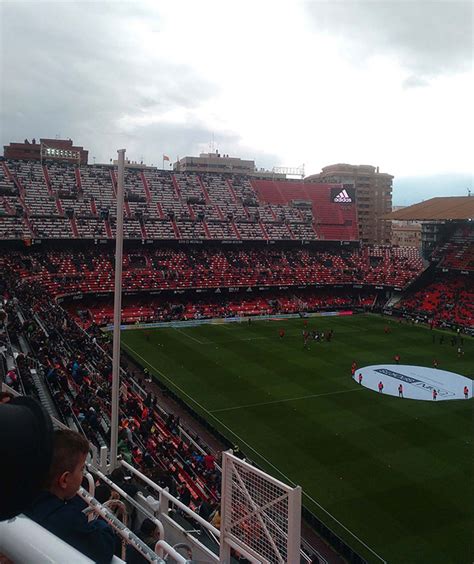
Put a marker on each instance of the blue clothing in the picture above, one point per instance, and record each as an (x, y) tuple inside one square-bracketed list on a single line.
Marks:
[(66, 520)]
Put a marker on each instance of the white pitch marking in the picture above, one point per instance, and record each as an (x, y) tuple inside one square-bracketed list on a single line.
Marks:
[(253, 450), (284, 400), (190, 336)]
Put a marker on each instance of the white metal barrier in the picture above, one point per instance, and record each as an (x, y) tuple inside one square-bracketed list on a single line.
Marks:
[(260, 516), (201, 552), (23, 541), (119, 528)]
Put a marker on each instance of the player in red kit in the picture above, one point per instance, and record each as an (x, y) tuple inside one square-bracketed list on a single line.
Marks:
[(305, 339), (282, 333)]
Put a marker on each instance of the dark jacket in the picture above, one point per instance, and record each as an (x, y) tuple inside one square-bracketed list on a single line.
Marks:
[(133, 556), (66, 520)]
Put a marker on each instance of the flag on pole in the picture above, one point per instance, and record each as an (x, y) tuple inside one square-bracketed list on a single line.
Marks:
[(166, 158)]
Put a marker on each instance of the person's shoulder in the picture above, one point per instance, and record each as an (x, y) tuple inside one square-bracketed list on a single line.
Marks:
[(44, 505)]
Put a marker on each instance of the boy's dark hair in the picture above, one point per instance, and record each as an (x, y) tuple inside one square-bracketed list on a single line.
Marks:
[(102, 493), (147, 527), (68, 446)]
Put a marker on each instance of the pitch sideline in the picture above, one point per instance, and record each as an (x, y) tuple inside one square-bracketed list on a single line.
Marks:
[(253, 450)]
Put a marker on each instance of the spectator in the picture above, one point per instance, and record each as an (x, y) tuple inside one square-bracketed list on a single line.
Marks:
[(184, 495), (150, 535), (59, 510), (26, 438)]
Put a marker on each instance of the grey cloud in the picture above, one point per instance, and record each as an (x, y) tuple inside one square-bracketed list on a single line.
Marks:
[(427, 37), (414, 82), (174, 140), (75, 69)]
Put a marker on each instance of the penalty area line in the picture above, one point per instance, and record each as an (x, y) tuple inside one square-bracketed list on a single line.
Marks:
[(174, 385), (284, 400)]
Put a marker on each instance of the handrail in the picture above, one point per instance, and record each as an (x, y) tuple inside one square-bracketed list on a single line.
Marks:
[(163, 547), (120, 528), (9, 343), (163, 492), (129, 499), (91, 483)]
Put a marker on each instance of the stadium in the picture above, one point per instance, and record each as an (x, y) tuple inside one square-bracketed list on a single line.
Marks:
[(281, 390)]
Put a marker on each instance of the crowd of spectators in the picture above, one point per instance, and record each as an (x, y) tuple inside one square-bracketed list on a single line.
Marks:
[(448, 301), (149, 309), (66, 272), (76, 368)]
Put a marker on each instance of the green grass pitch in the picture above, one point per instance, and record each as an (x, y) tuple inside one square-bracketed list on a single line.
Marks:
[(397, 474)]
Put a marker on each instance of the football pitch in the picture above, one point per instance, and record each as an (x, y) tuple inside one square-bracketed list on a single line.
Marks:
[(392, 477)]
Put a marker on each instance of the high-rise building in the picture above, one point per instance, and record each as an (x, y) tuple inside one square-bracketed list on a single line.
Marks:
[(373, 195)]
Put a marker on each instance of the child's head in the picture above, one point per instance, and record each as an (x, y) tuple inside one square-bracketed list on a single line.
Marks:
[(70, 450)]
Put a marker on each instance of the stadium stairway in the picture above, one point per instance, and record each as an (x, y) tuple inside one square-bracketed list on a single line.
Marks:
[(232, 191), (264, 231), (292, 235), (43, 394), (77, 172), (392, 301), (47, 180), (108, 229), (207, 199), (206, 229), (219, 212), (74, 228), (176, 187), (59, 207), (236, 231), (93, 207), (177, 234)]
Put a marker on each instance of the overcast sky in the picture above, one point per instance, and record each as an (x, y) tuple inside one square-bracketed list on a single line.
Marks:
[(284, 82)]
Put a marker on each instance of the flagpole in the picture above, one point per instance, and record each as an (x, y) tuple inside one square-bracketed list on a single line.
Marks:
[(117, 312), (163, 162)]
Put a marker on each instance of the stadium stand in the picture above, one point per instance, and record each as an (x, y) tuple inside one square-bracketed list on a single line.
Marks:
[(76, 202), (57, 294), (80, 388), (66, 272), (333, 221), (445, 302), (72, 379), (458, 252)]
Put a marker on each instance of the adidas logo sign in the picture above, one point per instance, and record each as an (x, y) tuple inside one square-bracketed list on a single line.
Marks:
[(343, 196)]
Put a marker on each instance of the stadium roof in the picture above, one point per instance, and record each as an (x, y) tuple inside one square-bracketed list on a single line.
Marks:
[(456, 207)]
